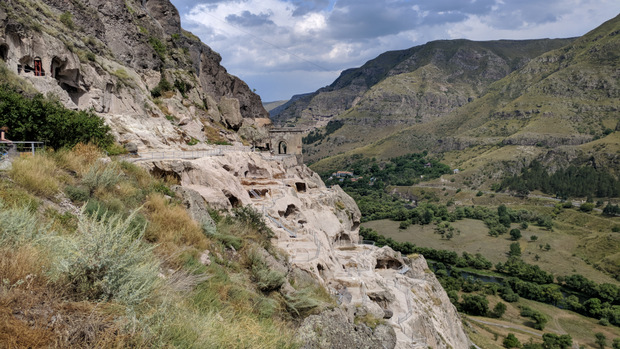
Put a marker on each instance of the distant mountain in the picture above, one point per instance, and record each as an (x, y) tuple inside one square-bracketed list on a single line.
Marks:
[(403, 88), (560, 106), (269, 106)]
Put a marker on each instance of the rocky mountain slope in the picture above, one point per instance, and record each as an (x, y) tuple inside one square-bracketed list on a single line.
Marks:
[(156, 84), (407, 87), (318, 228), (159, 87), (566, 99)]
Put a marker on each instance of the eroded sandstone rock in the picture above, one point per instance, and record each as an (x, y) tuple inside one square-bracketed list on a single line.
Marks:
[(318, 227)]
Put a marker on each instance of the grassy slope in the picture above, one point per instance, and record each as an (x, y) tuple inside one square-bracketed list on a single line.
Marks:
[(580, 328), (124, 270), (221, 305)]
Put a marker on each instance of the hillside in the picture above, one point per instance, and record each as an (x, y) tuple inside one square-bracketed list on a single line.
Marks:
[(269, 106), (560, 107), (402, 88), (223, 248)]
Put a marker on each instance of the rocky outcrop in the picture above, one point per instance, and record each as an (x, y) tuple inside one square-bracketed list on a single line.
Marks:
[(385, 300), (332, 329), (420, 83), (109, 56)]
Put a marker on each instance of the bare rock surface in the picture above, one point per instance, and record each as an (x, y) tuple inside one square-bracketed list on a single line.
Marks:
[(318, 227), (109, 56)]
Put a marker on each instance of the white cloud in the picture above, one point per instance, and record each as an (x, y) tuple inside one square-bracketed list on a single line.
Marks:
[(283, 47)]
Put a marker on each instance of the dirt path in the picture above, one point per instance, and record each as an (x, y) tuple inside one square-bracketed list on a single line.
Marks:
[(513, 327)]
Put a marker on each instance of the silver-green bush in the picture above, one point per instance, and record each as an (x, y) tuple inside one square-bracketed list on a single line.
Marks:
[(18, 226), (102, 175), (106, 259)]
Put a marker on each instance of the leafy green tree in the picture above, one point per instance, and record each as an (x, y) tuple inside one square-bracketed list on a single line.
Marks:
[(616, 343), (498, 310), (474, 304), (515, 250), (515, 234), (511, 341), (540, 320), (601, 340), (554, 341), (39, 118), (587, 207), (533, 237)]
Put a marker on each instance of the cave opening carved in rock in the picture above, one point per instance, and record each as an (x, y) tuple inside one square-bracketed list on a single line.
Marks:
[(4, 52), (68, 79), (388, 263), (290, 209), (160, 173), (234, 201), (300, 186)]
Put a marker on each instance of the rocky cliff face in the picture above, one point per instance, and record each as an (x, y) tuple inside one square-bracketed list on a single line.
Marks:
[(404, 88), (318, 228), (566, 99), (130, 61), (424, 81)]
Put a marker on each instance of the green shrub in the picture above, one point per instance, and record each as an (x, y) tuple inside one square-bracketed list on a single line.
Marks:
[(106, 259), (77, 193), (162, 86), (511, 341), (248, 215), (159, 47), (67, 19), (587, 207), (163, 189), (18, 226), (102, 176), (41, 119), (265, 278)]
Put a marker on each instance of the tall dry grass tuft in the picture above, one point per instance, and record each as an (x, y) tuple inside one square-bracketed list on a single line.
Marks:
[(23, 265), (78, 159), (102, 176), (171, 226), (37, 174), (14, 196)]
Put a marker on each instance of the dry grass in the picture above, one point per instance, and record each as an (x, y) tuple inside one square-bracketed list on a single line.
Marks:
[(580, 328), (79, 159), (38, 174), (564, 258), (14, 196), (171, 226), (21, 265), (35, 314)]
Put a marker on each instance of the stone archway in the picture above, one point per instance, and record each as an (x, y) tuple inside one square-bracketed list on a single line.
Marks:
[(282, 147), (38, 67)]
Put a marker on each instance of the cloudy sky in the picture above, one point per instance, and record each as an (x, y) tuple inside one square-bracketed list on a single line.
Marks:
[(286, 47)]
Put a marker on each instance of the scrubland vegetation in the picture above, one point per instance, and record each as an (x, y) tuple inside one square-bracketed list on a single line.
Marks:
[(392, 189), (97, 253)]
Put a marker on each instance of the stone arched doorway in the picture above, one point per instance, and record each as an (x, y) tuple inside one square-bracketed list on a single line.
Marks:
[(38, 67), (282, 147)]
